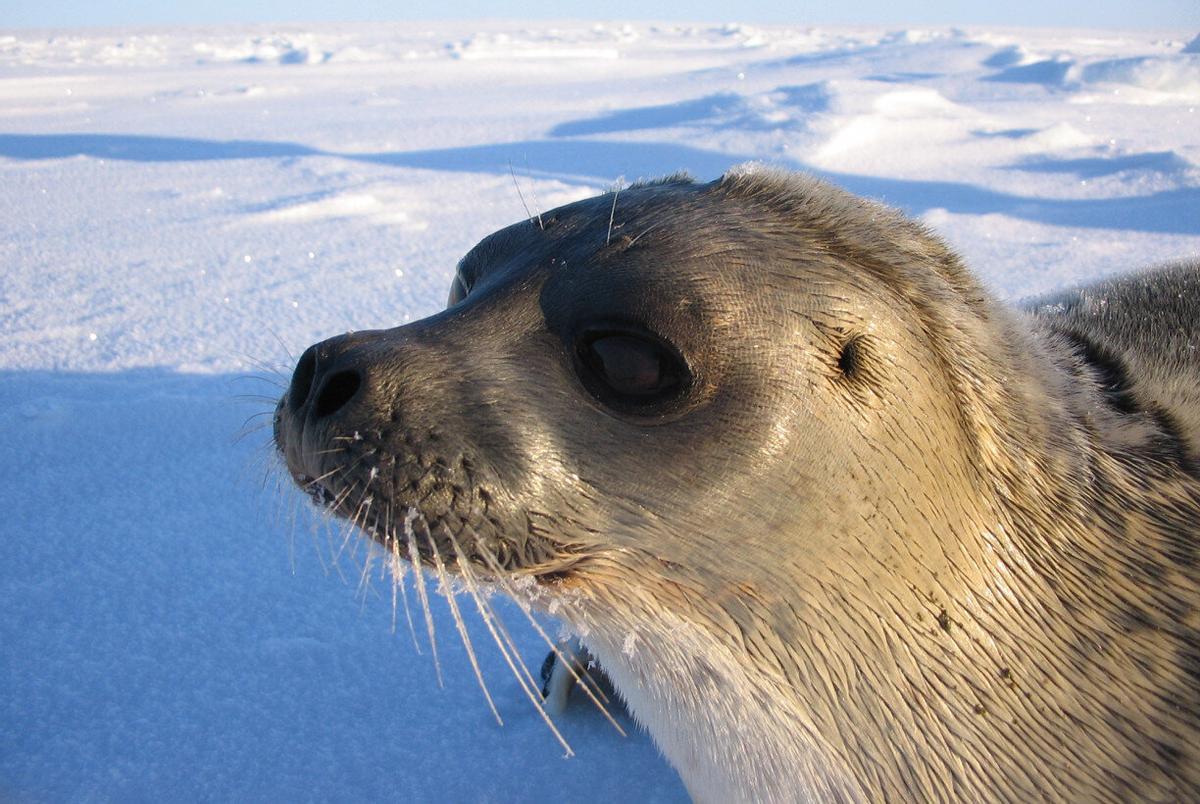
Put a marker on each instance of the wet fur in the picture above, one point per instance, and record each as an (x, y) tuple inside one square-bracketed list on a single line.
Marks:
[(906, 542)]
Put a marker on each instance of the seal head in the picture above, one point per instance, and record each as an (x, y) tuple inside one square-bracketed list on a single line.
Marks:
[(836, 523)]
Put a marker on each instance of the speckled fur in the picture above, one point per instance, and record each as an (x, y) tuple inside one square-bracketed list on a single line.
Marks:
[(904, 544)]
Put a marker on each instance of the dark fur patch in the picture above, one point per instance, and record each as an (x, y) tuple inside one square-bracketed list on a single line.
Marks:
[(1116, 389), (1111, 374), (1171, 446)]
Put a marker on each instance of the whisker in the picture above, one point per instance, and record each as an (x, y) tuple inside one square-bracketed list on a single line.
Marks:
[(313, 524), (521, 195), (533, 195), (261, 458), (612, 214), (486, 613), (452, 599), (364, 506), (267, 460), (364, 578), (243, 431), (398, 579), (343, 530), (644, 233), (342, 495), (292, 530), (523, 605), (414, 556), (254, 416), (314, 481), (260, 378), (279, 340)]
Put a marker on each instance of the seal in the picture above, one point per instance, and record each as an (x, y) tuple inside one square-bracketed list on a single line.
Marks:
[(836, 523)]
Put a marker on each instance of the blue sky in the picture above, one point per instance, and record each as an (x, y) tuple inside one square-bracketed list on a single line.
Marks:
[(1181, 15)]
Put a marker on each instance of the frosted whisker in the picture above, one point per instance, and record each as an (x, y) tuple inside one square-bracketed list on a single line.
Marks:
[(414, 556), (488, 615), (452, 599), (398, 580), (584, 679), (356, 521)]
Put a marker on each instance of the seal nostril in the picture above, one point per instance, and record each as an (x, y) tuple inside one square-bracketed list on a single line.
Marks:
[(336, 392), (302, 379)]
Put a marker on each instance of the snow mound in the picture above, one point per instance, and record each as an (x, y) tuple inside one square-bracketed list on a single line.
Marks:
[(1058, 137), (274, 49), (918, 36), (777, 108), (1008, 56), (124, 49), (916, 121), (497, 46), (1177, 75), (1155, 77), (746, 36), (1050, 72)]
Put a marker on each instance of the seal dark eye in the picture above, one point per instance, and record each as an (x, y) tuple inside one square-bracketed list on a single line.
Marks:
[(631, 372), (629, 366)]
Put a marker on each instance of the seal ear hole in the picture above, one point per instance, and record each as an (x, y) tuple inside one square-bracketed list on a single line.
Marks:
[(850, 361)]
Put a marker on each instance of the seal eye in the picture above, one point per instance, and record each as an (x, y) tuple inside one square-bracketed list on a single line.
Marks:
[(630, 371), (628, 365)]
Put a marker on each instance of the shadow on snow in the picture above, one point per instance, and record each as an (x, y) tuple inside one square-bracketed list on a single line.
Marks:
[(161, 643), (601, 161)]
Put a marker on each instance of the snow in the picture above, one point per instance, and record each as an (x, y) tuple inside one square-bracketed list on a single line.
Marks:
[(183, 211)]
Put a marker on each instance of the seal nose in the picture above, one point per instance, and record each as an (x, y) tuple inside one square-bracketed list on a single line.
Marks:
[(323, 379)]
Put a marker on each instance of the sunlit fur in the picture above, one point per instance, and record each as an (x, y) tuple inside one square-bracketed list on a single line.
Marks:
[(900, 543)]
